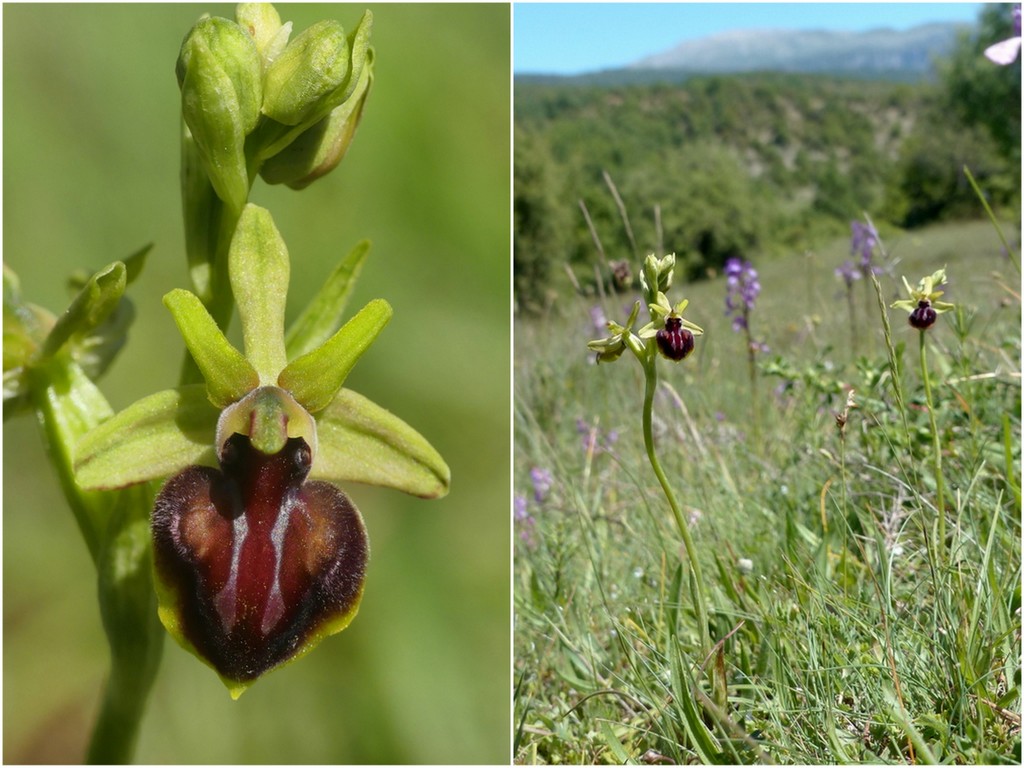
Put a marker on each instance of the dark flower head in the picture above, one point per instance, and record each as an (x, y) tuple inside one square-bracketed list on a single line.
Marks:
[(923, 316), (924, 304), (674, 341)]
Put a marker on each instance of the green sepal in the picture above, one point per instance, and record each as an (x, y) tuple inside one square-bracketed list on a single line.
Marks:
[(155, 437), (312, 66), (322, 316), (258, 265), (364, 443), (220, 74), (229, 376), (316, 377), (93, 304)]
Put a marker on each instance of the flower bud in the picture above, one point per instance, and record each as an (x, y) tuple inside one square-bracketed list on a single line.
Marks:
[(220, 75), (264, 26), (674, 341), (306, 73), (319, 149)]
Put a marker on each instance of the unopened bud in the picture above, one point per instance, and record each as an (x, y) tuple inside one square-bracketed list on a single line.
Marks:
[(263, 24), (306, 73), (319, 149), (220, 75)]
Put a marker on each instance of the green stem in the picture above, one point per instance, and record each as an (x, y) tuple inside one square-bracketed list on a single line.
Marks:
[(991, 217), (651, 378), (937, 447), (755, 411)]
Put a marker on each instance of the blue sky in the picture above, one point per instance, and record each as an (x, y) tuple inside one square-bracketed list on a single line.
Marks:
[(570, 38)]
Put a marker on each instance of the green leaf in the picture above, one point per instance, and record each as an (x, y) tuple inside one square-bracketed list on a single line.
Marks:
[(258, 265), (316, 377), (229, 376), (152, 438), (323, 314), (361, 442), (90, 307)]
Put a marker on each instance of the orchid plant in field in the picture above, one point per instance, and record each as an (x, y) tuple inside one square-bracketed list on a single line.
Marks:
[(671, 336), (924, 306), (213, 507)]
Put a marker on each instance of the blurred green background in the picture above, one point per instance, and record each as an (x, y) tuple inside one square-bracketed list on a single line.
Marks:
[(90, 174)]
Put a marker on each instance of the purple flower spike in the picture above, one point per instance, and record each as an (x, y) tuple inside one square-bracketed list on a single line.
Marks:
[(742, 290), (849, 272), (542, 481)]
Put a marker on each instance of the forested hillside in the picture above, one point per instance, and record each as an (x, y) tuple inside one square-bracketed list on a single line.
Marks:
[(751, 164)]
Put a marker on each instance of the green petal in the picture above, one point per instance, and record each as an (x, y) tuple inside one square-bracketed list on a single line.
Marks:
[(258, 265), (155, 437), (363, 443), (323, 314), (229, 376), (316, 377)]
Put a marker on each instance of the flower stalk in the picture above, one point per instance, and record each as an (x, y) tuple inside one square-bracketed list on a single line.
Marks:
[(671, 336)]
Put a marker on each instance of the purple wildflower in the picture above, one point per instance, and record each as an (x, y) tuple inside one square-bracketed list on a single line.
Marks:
[(542, 480), (598, 319), (742, 289), (849, 272), (524, 520), (593, 441), (863, 240), (519, 512), (1006, 51)]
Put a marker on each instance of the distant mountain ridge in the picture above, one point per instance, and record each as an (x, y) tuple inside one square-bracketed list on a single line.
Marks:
[(877, 51)]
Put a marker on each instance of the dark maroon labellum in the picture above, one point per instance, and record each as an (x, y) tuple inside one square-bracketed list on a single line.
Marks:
[(674, 341), (258, 559), (923, 316)]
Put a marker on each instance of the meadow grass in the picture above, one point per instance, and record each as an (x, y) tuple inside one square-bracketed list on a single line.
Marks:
[(846, 632)]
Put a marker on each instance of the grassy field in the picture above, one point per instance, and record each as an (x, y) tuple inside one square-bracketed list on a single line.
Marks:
[(844, 630)]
